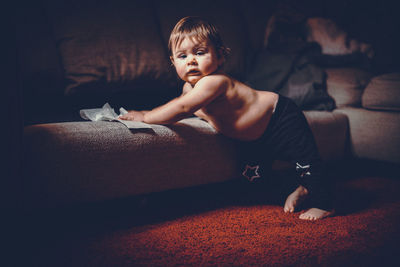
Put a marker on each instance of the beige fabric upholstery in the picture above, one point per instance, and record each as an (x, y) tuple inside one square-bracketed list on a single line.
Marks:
[(370, 132), (123, 45), (91, 161), (383, 93), (330, 131), (346, 85)]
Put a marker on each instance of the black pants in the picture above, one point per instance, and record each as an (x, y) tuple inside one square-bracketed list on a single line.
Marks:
[(288, 137)]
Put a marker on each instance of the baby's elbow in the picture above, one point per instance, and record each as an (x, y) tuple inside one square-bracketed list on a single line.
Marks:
[(183, 110), (186, 110)]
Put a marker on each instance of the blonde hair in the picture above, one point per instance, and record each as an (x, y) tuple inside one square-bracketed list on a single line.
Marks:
[(199, 29)]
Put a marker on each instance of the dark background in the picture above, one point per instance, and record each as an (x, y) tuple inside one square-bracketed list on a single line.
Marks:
[(376, 22)]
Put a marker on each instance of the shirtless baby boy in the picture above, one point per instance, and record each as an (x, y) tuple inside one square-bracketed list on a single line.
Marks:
[(269, 123)]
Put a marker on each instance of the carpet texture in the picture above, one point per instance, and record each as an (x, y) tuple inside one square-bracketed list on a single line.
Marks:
[(213, 226)]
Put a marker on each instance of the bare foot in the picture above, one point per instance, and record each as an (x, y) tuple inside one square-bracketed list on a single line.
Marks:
[(315, 214), (295, 198)]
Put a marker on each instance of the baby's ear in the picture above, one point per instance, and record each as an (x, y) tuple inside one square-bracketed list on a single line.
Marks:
[(172, 61)]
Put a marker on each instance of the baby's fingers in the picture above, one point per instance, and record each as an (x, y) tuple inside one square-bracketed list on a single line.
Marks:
[(126, 117)]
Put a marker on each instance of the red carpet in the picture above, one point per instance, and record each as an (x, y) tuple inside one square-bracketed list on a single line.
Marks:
[(221, 230)]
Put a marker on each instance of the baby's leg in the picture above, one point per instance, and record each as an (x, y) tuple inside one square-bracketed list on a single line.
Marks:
[(291, 140), (312, 177)]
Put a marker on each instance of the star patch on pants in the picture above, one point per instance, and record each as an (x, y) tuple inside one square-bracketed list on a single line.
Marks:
[(251, 173), (303, 170)]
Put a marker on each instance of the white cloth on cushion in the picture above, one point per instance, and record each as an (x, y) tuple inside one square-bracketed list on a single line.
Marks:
[(107, 113)]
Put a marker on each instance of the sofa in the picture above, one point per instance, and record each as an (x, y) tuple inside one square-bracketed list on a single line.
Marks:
[(74, 55)]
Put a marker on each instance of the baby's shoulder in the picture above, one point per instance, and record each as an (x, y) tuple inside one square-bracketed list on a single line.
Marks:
[(217, 77), (218, 80)]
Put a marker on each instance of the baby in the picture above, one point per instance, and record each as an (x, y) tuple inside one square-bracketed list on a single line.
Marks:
[(270, 125)]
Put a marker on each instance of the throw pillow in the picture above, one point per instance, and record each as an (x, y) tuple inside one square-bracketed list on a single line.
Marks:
[(346, 85), (287, 64), (292, 73), (109, 47)]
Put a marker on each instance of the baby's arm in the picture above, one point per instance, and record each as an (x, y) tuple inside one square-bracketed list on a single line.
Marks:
[(135, 115), (205, 91)]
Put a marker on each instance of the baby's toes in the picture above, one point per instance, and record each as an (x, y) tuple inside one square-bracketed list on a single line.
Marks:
[(288, 208), (305, 216)]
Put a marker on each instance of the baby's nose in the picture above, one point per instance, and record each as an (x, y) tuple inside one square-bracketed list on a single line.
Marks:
[(191, 60)]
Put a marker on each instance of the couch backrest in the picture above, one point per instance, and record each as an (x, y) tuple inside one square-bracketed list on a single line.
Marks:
[(82, 53)]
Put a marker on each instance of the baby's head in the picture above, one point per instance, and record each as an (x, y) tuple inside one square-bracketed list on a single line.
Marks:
[(198, 29)]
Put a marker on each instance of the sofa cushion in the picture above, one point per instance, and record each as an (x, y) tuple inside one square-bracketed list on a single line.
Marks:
[(110, 46), (330, 131), (373, 134), (346, 85), (91, 161), (383, 93)]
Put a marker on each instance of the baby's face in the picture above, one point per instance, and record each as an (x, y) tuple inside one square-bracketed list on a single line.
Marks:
[(195, 59)]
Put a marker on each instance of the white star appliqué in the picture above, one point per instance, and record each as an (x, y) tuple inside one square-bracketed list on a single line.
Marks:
[(303, 170), (251, 173)]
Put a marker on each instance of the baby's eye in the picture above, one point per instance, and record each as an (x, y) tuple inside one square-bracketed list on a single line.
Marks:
[(200, 53), (181, 56)]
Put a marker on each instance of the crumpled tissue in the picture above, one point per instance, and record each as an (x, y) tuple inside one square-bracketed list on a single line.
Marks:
[(107, 113)]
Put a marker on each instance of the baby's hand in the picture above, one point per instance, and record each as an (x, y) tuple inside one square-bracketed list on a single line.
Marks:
[(133, 115)]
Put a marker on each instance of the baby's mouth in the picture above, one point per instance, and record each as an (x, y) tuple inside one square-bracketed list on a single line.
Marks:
[(193, 72)]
